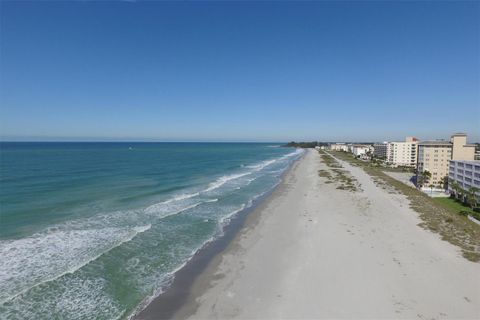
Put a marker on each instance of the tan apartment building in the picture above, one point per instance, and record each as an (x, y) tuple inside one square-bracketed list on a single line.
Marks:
[(403, 153), (460, 149), (435, 156)]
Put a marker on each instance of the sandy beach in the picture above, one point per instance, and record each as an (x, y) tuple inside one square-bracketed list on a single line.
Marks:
[(314, 251)]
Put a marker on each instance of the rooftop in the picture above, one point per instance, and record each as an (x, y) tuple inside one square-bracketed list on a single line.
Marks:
[(474, 162), (435, 143)]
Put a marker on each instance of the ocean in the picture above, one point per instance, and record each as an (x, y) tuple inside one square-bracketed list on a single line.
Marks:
[(94, 230)]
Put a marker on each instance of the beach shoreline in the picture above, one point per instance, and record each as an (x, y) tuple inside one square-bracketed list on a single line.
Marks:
[(179, 295), (313, 250)]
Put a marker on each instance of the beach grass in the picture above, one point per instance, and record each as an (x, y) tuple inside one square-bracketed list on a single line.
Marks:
[(440, 217), (335, 174), (457, 206), (330, 161), (397, 169)]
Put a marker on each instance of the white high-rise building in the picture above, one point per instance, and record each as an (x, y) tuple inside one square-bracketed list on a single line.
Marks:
[(403, 153)]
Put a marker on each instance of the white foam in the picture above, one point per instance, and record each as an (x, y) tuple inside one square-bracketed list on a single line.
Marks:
[(44, 257), (292, 154), (167, 279), (262, 165), (225, 219), (77, 298), (64, 248), (163, 209), (267, 163), (87, 299), (227, 178), (182, 196), (224, 179), (277, 171), (160, 210)]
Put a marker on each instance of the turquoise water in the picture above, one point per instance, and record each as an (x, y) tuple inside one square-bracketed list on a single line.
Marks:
[(93, 230)]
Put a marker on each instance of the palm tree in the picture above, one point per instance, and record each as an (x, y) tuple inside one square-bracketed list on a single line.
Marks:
[(472, 196), (424, 177), (461, 193), (443, 183), (455, 187)]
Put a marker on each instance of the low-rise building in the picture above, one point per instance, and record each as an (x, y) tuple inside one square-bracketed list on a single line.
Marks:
[(339, 147), (360, 149), (466, 174)]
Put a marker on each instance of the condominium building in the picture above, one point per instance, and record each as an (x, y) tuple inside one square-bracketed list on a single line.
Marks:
[(466, 174), (434, 156), (361, 149), (403, 153)]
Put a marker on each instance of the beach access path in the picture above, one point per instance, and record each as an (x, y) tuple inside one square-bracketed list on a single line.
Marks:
[(314, 251)]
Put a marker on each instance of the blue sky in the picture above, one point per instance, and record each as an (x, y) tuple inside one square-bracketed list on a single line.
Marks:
[(239, 71)]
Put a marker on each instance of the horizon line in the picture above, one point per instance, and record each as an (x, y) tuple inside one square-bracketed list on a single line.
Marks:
[(185, 141), (141, 141)]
